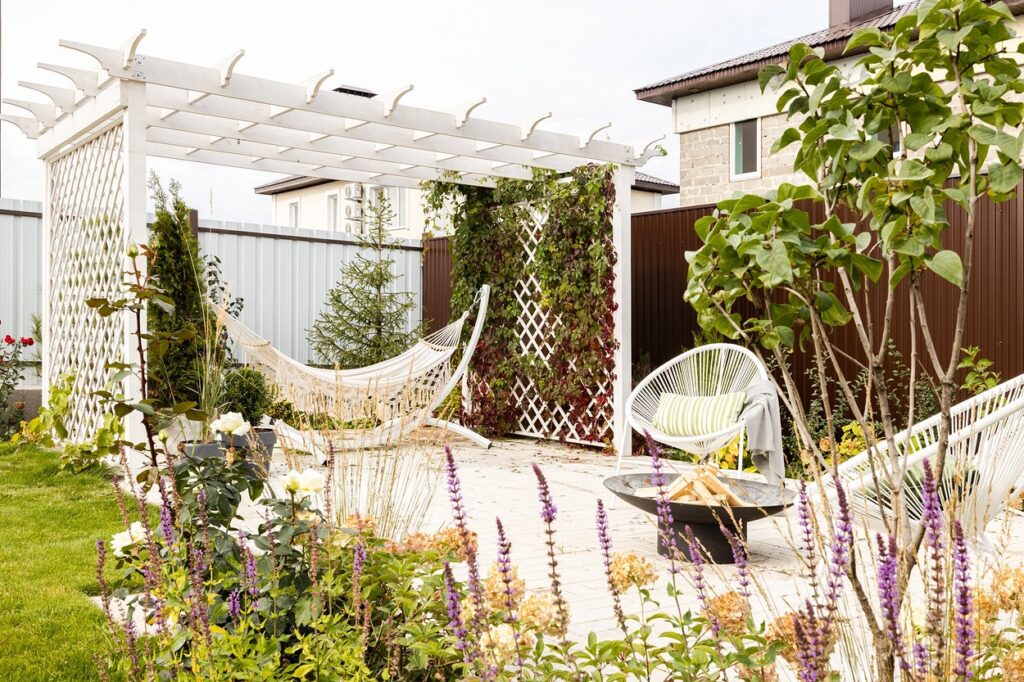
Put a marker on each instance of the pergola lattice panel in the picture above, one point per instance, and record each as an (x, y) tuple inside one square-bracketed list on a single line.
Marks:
[(87, 246), (540, 418)]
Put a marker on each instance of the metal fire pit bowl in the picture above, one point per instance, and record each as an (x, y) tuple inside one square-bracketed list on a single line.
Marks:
[(705, 520)]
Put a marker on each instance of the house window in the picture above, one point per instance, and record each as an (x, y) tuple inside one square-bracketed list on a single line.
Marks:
[(293, 214), (332, 212), (746, 149), (892, 137)]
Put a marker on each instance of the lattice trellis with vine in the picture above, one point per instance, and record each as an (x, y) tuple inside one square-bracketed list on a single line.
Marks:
[(540, 418), (88, 235)]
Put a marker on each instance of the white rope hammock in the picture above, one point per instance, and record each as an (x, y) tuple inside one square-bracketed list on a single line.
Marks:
[(371, 405)]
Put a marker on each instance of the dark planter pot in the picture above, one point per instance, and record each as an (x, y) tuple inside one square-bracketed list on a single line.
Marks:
[(207, 450), (255, 447)]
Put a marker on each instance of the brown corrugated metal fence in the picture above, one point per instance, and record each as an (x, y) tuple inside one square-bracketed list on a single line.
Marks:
[(664, 325), (437, 284)]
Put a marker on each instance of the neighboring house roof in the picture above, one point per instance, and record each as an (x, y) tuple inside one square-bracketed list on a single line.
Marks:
[(643, 182), (649, 183), (744, 68)]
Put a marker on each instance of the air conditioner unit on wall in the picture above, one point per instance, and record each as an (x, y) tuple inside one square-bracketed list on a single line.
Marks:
[(353, 191), (353, 226), (353, 211)]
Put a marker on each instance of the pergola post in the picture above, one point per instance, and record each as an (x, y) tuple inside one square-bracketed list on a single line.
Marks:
[(133, 186), (622, 236), (44, 315)]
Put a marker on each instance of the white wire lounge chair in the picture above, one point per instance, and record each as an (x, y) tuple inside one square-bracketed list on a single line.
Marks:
[(406, 389), (984, 463), (711, 370)]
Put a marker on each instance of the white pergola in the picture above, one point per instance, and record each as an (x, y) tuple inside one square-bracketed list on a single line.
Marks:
[(94, 138)]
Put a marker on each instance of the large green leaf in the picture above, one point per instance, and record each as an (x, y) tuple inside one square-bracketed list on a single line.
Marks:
[(912, 169), (1006, 143), (865, 37), (1004, 176), (775, 261), (948, 266), (865, 151)]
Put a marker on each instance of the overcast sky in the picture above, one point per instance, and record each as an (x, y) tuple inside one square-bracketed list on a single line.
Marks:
[(580, 59)]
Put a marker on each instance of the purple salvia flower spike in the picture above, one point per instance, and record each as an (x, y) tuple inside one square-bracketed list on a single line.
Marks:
[(505, 570), (548, 513), (460, 517), (605, 540), (889, 596), (964, 604), (664, 506), (739, 556), (693, 551), (235, 604), (453, 602), (932, 520), (920, 660), (167, 522), (548, 510)]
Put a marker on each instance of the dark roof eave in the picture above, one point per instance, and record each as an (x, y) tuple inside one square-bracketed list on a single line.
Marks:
[(664, 94), (655, 187)]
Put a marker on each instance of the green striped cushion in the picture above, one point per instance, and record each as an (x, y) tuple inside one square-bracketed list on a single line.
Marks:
[(683, 415)]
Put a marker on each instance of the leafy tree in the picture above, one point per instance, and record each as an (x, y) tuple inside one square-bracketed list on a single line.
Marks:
[(947, 78), (365, 320)]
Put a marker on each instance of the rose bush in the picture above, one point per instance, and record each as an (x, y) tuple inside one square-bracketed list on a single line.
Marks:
[(10, 376)]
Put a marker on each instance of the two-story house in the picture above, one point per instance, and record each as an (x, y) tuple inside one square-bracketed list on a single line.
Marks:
[(727, 127)]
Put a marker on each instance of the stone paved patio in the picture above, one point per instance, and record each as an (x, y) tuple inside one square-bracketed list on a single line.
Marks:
[(500, 482)]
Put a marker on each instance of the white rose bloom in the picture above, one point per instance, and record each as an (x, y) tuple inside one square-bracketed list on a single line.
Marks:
[(311, 482), (291, 482), (127, 538), (231, 423)]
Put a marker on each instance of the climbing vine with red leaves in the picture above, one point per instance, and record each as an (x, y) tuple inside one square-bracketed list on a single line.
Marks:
[(574, 265)]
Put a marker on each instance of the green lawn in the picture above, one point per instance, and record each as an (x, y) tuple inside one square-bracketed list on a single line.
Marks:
[(49, 523)]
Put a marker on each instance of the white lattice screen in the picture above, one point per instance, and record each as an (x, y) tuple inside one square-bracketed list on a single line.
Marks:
[(87, 245), (539, 418)]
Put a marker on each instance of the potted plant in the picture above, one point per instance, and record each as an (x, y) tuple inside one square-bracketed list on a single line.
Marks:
[(247, 397)]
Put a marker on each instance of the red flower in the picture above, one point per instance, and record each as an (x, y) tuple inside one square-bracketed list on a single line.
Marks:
[(26, 341), (8, 339)]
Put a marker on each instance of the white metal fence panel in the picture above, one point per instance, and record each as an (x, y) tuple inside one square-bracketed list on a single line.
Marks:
[(21, 283), (283, 275)]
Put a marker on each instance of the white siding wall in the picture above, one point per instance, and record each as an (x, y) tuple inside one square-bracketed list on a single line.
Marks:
[(21, 287), (282, 273)]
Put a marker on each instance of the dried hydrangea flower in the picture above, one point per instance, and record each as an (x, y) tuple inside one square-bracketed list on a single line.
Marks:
[(540, 612), (502, 643), (503, 588), (629, 570), (731, 611)]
